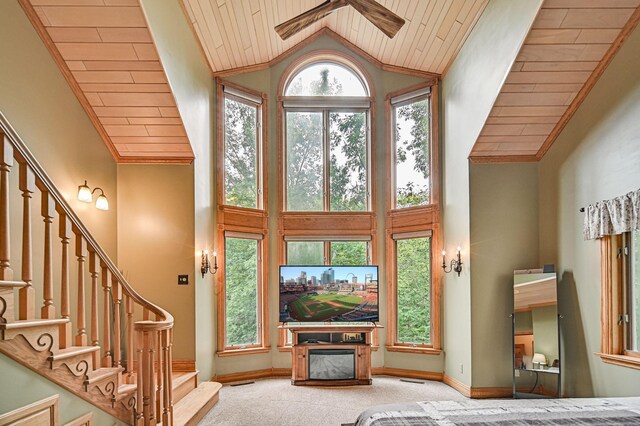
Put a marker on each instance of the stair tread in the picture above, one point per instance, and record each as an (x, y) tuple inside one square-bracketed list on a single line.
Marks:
[(102, 373), (179, 378), (32, 323), (196, 404), (12, 284), (72, 351), (126, 389)]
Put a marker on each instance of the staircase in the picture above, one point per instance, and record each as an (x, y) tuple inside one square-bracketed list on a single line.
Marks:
[(90, 332)]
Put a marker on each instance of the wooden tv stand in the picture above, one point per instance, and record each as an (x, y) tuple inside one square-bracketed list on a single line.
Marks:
[(322, 340)]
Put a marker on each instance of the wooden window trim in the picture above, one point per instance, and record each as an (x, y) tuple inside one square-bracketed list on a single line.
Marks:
[(612, 349), (435, 348), (262, 143), (434, 146), (263, 297)]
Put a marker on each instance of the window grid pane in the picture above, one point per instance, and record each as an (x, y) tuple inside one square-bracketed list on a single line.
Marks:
[(305, 253), (348, 161), (241, 291), (413, 266), (412, 154), (349, 253), (305, 161), (326, 79), (240, 154)]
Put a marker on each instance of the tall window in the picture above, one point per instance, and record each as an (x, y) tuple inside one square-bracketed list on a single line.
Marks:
[(242, 296), (242, 149), (413, 222), (327, 148), (620, 315), (243, 291), (411, 149), (632, 292)]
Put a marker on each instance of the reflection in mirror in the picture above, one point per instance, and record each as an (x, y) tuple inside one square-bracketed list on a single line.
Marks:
[(536, 353)]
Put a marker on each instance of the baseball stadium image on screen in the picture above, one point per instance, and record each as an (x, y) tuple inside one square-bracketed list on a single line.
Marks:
[(328, 293)]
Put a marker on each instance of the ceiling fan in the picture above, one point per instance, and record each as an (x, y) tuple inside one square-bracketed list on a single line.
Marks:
[(387, 21)]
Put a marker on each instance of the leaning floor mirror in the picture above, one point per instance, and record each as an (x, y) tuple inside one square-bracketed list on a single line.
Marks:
[(536, 335)]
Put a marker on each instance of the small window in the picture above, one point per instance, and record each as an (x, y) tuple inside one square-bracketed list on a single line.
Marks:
[(339, 252), (411, 150), (632, 292)]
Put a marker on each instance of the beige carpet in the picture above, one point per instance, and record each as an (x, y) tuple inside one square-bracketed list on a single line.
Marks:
[(276, 402)]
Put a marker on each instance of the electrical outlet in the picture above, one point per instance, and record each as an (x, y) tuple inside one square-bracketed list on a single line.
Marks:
[(517, 373), (461, 368), (183, 279)]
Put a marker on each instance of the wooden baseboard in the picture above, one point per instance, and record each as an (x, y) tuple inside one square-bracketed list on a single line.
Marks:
[(457, 385), (401, 372), (250, 375)]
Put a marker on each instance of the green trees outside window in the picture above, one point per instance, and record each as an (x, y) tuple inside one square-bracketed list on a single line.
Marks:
[(412, 154), (305, 253), (241, 290), (326, 148), (413, 266), (241, 150), (349, 253)]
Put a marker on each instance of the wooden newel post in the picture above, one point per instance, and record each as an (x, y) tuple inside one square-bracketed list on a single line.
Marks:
[(140, 379), (65, 303), (81, 251), (6, 162), (167, 412), (27, 293), (130, 348), (48, 211)]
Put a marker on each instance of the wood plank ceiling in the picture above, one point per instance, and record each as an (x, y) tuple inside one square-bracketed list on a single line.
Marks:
[(105, 51), (236, 34), (568, 47)]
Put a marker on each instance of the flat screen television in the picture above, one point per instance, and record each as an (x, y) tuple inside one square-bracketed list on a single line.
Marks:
[(328, 293)]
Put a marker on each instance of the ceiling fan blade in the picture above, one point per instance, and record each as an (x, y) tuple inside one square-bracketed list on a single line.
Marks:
[(386, 21), (302, 21)]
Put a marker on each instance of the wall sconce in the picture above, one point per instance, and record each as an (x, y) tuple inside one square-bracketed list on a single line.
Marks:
[(206, 266), (455, 265), (85, 194)]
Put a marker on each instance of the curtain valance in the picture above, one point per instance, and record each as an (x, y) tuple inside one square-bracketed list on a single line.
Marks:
[(611, 217)]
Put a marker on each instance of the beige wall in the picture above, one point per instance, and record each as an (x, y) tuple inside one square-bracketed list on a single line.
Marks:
[(39, 104), (192, 87), (596, 157), (504, 237), (155, 242), (468, 92), (21, 378)]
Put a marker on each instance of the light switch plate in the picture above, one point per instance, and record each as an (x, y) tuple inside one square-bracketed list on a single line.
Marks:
[(183, 279)]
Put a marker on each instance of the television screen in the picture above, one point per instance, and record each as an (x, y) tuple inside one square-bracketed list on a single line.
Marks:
[(328, 293)]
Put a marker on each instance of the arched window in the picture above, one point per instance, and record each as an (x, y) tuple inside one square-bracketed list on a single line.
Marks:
[(327, 148)]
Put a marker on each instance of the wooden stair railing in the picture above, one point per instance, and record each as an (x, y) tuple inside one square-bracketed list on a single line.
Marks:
[(120, 357)]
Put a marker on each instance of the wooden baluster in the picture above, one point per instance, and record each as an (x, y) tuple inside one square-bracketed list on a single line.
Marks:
[(81, 250), (149, 379), (145, 314), (94, 263), (48, 210), (140, 338), (130, 348), (107, 358), (6, 162), (27, 293), (159, 376), (65, 303), (116, 294), (167, 411)]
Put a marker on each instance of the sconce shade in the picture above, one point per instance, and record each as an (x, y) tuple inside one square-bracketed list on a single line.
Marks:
[(84, 193), (102, 203)]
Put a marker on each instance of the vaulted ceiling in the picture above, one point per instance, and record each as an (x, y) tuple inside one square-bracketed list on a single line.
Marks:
[(237, 34), (105, 51), (567, 49)]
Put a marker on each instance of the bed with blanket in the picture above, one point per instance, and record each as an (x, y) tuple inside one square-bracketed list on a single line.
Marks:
[(568, 411)]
